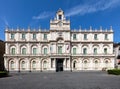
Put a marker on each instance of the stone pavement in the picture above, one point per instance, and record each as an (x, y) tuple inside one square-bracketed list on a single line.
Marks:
[(61, 80)]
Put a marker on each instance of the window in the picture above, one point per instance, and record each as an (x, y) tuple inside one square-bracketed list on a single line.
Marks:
[(106, 36), (96, 62), (23, 35), (95, 50), (74, 51), (45, 50), (74, 64), (12, 65), (74, 37), (85, 51), (34, 51), (60, 17), (85, 36), (34, 36), (105, 50), (12, 36), (95, 37), (59, 49), (45, 36), (34, 64), (45, 65), (23, 51), (23, 65), (13, 51), (85, 62)]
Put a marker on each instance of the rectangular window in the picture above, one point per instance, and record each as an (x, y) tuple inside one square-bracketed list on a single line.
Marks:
[(85, 36), (84, 51), (95, 37), (105, 50), (23, 36), (12, 36), (106, 36), (95, 50), (45, 36), (34, 51), (74, 37), (24, 51), (59, 49), (13, 51), (45, 50), (74, 51), (34, 36)]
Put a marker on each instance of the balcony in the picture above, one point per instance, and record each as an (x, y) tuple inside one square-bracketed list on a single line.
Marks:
[(93, 55), (60, 55)]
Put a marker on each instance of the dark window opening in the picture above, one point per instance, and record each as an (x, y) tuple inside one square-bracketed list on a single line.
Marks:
[(60, 17)]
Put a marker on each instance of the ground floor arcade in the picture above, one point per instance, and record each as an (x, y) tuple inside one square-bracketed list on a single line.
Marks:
[(57, 63)]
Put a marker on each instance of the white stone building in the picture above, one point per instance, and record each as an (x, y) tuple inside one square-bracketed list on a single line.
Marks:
[(117, 54), (59, 48)]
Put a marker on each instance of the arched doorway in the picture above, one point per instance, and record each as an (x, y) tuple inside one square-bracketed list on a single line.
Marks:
[(74, 65)]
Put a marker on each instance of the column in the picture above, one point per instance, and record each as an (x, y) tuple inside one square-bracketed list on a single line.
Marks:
[(102, 63), (17, 64), (29, 49), (5, 63), (91, 64), (64, 64), (29, 65), (18, 49), (7, 48)]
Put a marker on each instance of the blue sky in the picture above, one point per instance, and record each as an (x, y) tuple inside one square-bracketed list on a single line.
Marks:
[(84, 13)]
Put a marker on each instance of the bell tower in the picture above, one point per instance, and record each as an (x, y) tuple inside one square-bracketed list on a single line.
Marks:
[(59, 22), (60, 15)]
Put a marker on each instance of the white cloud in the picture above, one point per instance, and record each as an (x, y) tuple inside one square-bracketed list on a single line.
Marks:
[(93, 6), (43, 15), (5, 21)]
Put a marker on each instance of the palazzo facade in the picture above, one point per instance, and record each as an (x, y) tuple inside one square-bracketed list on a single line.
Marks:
[(58, 49)]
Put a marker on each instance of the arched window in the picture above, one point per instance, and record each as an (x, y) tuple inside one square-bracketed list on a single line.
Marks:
[(34, 64), (23, 51), (95, 50), (23, 65), (74, 64), (34, 51), (85, 51), (106, 63), (44, 65), (45, 50), (85, 64), (105, 50), (13, 51), (74, 51), (96, 61), (96, 64), (12, 65)]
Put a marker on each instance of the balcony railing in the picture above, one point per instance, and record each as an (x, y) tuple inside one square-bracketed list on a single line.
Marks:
[(62, 54)]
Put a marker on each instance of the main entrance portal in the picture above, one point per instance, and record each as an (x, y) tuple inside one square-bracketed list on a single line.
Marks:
[(59, 65)]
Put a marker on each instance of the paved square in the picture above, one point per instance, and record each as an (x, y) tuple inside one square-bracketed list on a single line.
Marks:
[(61, 80)]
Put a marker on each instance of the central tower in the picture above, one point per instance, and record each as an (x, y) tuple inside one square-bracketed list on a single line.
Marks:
[(59, 22)]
